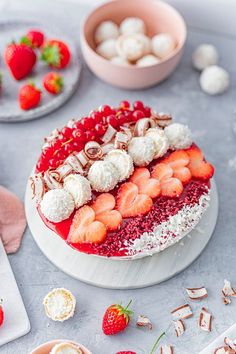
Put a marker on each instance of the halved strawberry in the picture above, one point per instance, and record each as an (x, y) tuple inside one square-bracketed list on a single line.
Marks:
[(183, 174), (130, 203), (198, 167), (146, 185), (171, 187), (84, 228), (178, 158), (162, 171), (103, 207)]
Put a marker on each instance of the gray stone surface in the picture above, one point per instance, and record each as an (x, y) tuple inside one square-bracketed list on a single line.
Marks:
[(211, 121)]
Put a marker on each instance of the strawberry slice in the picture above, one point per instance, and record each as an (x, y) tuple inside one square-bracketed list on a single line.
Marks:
[(198, 167), (178, 158), (85, 229), (103, 207), (146, 185), (183, 174), (130, 203), (171, 187), (162, 171)]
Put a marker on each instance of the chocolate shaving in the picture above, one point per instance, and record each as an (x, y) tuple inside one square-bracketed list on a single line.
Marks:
[(226, 300), (197, 293), (144, 321), (230, 343), (52, 178), (167, 349), (93, 150), (121, 141), (161, 119), (182, 312), (179, 327), (64, 170), (228, 290), (143, 125), (38, 187), (107, 147), (83, 158), (205, 320), (109, 135), (224, 350), (73, 161)]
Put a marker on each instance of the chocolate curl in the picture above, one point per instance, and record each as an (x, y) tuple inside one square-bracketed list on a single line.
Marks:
[(54, 134), (167, 349), (144, 321), (127, 131), (106, 148), (182, 312), (230, 343), (38, 187), (73, 161), (109, 135), (64, 171), (179, 327), (205, 320), (161, 119), (83, 159), (121, 141), (226, 300), (224, 350), (197, 293), (228, 290), (143, 125), (93, 150), (52, 179)]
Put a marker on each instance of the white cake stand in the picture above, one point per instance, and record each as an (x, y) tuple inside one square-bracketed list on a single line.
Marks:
[(123, 274)]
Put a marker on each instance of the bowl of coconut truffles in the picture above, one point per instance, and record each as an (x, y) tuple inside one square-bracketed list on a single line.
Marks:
[(133, 44)]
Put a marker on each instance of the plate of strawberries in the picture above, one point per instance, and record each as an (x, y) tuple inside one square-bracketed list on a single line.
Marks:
[(39, 69)]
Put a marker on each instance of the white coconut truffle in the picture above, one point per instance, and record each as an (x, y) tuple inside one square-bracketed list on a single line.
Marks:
[(106, 30), (107, 49), (131, 47), (103, 176), (59, 304), (132, 25), (179, 136), (160, 140), (122, 161), (79, 187), (148, 60), (146, 42), (163, 44), (204, 56), (66, 348), (120, 61), (57, 205), (142, 150), (214, 80)]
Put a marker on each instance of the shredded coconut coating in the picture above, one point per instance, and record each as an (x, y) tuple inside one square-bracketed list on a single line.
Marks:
[(160, 140), (131, 46), (57, 205), (79, 187), (214, 80), (107, 49), (162, 45), (179, 136), (148, 60), (132, 25), (204, 56), (59, 304), (66, 348), (122, 161), (142, 150), (103, 176), (106, 30)]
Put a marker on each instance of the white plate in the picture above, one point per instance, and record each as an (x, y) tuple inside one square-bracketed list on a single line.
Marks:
[(122, 274), (219, 341)]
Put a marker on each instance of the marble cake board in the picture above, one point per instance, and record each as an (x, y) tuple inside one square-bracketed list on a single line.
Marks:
[(123, 274)]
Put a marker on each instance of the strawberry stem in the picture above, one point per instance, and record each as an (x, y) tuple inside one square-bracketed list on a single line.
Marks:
[(156, 343), (126, 308)]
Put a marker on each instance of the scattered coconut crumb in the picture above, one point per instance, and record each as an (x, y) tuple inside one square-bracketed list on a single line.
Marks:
[(205, 320), (144, 321), (182, 312), (197, 293), (167, 349), (179, 327), (232, 163)]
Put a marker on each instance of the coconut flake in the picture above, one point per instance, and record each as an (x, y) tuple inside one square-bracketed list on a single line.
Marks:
[(197, 293), (205, 320), (144, 321), (228, 290), (182, 312), (167, 349), (179, 327)]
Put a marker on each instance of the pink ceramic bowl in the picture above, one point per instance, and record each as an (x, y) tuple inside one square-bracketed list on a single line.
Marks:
[(158, 17), (47, 347)]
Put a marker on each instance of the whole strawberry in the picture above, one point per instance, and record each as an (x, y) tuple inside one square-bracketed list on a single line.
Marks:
[(56, 54), (33, 38), (20, 59), (1, 314), (29, 96), (116, 319), (53, 83)]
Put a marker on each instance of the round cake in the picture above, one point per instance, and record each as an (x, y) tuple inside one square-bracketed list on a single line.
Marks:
[(121, 182)]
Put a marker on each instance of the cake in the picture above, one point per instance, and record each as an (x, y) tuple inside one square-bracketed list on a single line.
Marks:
[(121, 182)]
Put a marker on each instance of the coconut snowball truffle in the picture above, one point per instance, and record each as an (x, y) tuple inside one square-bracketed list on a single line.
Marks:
[(79, 187), (57, 205), (107, 49), (204, 56), (214, 80), (131, 47), (142, 150), (122, 161), (66, 348), (163, 44), (59, 304), (120, 61), (103, 176), (160, 140), (179, 136), (106, 30), (132, 25), (148, 60)]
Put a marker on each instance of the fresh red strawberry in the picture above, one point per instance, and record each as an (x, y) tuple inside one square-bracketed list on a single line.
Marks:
[(146, 185), (162, 171), (116, 319), (183, 174), (56, 53), (29, 96), (85, 229), (53, 83), (130, 203), (178, 158), (33, 38), (126, 352), (1, 314), (171, 187), (198, 167), (20, 59)]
